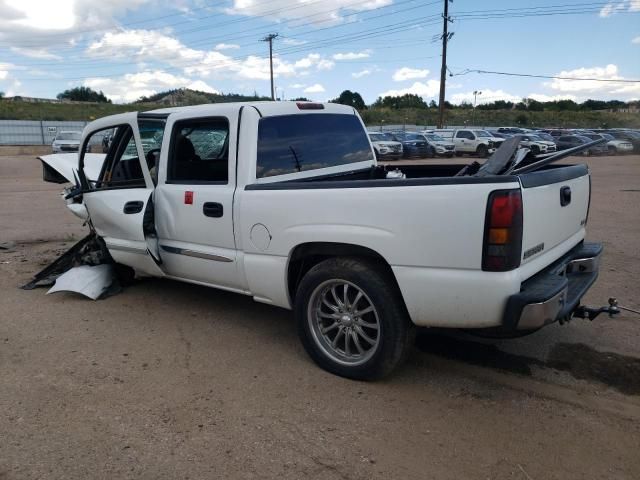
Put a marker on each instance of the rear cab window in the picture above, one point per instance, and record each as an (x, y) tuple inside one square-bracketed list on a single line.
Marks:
[(289, 144)]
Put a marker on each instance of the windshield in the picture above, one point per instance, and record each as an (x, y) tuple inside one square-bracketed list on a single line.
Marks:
[(607, 136), (68, 136), (482, 133), (378, 137), (434, 137), (413, 136), (535, 138)]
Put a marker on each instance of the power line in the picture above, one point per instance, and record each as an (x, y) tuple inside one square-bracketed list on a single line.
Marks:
[(553, 77)]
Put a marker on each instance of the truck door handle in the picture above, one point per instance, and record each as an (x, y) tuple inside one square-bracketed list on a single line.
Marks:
[(212, 209), (565, 196), (133, 207)]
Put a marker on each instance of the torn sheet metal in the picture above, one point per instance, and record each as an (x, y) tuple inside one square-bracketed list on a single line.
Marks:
[(90, 281), (66, 164), (88, 251)]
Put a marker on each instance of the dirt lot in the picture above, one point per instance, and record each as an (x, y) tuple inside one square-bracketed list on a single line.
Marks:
[(168, 380)]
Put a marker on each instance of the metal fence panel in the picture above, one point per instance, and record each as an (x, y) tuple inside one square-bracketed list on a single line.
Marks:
[(34, 132)]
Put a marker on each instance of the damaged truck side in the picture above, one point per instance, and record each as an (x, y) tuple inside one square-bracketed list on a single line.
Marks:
[(285, 202)]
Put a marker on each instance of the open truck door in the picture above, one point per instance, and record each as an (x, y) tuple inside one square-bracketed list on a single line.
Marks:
[(120, 201)]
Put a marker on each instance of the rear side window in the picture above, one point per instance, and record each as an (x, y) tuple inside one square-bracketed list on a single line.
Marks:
[(199, 151), (296, 143), (465, 134)]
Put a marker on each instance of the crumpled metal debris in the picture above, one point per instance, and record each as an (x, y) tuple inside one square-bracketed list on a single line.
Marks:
[(90, 281), (90, 251)]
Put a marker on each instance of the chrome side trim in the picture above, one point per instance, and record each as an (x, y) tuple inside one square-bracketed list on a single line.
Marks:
[(536, 315), (193, 253), (584, 265), (124, 248)]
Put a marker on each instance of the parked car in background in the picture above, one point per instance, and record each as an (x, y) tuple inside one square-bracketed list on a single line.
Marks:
[(629, 136), (511, 130), (66, 141), (472, 141), (443, 148), (497, 134), (384, 146), (614, 146), (413, 145), (545, 136), (536, 144), (569, 141)]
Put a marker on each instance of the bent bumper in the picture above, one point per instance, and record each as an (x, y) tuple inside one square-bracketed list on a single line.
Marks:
[(555, 292)]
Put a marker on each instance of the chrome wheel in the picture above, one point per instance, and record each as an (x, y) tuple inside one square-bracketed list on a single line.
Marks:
[(344, 322)]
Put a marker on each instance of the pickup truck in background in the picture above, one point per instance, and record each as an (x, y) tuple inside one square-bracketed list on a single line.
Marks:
[(471, 141), (284, 202)]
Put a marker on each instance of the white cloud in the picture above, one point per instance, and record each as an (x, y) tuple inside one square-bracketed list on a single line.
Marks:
[(429, 89), (361, 73), (636, 40), (36, 53), (595, 87), (352, 55), (202, 87), (297, 86), (293, 41), (132, 86), (487, 96), (612, 8), (325, 12), (226, 46), (46, 22), (541, 97), (406, 73), (155, 46), (317, 88)]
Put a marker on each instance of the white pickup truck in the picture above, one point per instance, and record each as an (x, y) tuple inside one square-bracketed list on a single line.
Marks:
[(473, 141), (284, 202)]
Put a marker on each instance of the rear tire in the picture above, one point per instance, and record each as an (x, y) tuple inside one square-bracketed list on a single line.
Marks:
[(363, 338)]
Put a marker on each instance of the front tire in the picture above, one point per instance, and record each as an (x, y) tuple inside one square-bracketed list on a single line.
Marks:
[(482, 151), (352, 320)]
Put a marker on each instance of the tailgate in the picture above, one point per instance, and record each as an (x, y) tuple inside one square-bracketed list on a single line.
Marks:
[(555, 205)]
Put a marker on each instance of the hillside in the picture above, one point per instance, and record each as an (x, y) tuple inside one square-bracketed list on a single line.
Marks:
[(377, 115)]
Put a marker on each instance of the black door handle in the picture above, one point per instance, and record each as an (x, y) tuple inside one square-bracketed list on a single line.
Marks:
[(565, 196), (212, 209), (133, 207)]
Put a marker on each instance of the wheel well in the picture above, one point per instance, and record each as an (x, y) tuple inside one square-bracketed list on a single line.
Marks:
[(307, 255)]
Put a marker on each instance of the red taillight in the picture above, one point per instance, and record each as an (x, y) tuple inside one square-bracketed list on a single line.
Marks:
[(502, 231), (310, 106)]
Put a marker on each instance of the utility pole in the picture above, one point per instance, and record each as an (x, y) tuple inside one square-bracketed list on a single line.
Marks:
[(270, 38), (443, 72)]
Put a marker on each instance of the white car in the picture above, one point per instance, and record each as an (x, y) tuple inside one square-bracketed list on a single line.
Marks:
[(535, 144), (66, 141), (443, 148), (615, 146), (284, 202), (384, 147)]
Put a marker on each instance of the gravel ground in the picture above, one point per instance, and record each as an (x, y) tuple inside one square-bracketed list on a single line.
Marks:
[(169, 380)]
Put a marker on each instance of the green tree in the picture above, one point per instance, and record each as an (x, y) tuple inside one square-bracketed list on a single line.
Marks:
[(353, 99), (408, 100), (301, 99), (1, 94), (83, 94), (433, 104)]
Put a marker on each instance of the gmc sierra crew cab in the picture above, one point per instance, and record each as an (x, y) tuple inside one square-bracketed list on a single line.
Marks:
[(284, 202)]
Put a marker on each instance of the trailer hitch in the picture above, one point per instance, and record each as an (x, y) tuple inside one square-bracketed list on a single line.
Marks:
[(591, 313)]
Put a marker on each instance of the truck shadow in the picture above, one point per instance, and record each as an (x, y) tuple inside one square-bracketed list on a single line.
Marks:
[(581, 361)]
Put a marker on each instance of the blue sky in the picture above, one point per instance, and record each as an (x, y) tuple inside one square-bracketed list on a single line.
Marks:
[(129, 48)]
